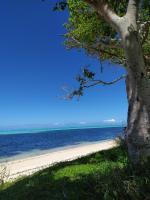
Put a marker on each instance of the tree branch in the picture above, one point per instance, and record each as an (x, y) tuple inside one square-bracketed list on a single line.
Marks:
[(97, 82), (79, 91), (132, 11), (106, 12)]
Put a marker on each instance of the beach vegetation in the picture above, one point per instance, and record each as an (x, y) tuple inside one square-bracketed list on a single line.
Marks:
[(3, 174), (105, 175)]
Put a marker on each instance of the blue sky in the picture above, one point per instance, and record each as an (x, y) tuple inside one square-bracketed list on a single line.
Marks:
[(34, 65)]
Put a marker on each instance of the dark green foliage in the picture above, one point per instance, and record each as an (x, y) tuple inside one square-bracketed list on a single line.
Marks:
[(88, 30), (60, 6), (88, 74), (145, 10), (106, 175), (85, 29), (83, 79)]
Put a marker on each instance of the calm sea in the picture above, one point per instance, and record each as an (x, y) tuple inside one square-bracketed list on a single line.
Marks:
[(25, 144)]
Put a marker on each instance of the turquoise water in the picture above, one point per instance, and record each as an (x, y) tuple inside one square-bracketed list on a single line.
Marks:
[(39, 130)]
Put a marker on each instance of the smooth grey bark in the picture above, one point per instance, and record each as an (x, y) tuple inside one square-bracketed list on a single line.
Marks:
[(138, 122), (138, 93)]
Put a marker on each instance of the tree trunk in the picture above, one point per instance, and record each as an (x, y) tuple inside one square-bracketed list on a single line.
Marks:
[(138, 123), (138, 93), (138, 84)]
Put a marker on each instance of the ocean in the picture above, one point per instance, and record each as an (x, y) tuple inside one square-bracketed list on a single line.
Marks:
[(14, 145)]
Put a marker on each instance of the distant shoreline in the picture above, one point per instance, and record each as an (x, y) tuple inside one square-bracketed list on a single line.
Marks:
[(42, 130)]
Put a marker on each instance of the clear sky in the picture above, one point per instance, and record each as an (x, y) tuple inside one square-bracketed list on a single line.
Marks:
[(34, 65)]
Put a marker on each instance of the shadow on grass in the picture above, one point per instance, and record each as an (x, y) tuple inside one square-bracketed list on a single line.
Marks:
[(105, 175)]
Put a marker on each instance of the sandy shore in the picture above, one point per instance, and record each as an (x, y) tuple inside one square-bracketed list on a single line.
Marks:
[(27, 166)]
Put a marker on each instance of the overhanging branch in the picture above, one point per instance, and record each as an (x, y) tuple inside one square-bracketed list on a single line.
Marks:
[(85, 84), (98, 82)]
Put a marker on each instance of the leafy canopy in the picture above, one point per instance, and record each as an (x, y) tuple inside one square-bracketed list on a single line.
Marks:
[(87, 30)]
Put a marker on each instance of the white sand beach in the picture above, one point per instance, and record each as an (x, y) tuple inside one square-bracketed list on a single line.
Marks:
[(29, 165)]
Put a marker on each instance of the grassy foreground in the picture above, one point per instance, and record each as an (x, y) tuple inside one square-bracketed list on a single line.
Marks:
[(104, 175)]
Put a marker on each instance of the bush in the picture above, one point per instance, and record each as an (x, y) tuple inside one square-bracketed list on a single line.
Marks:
[(3, 174)]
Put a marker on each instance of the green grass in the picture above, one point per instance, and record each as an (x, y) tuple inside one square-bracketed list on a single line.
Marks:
[(104, 175)]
